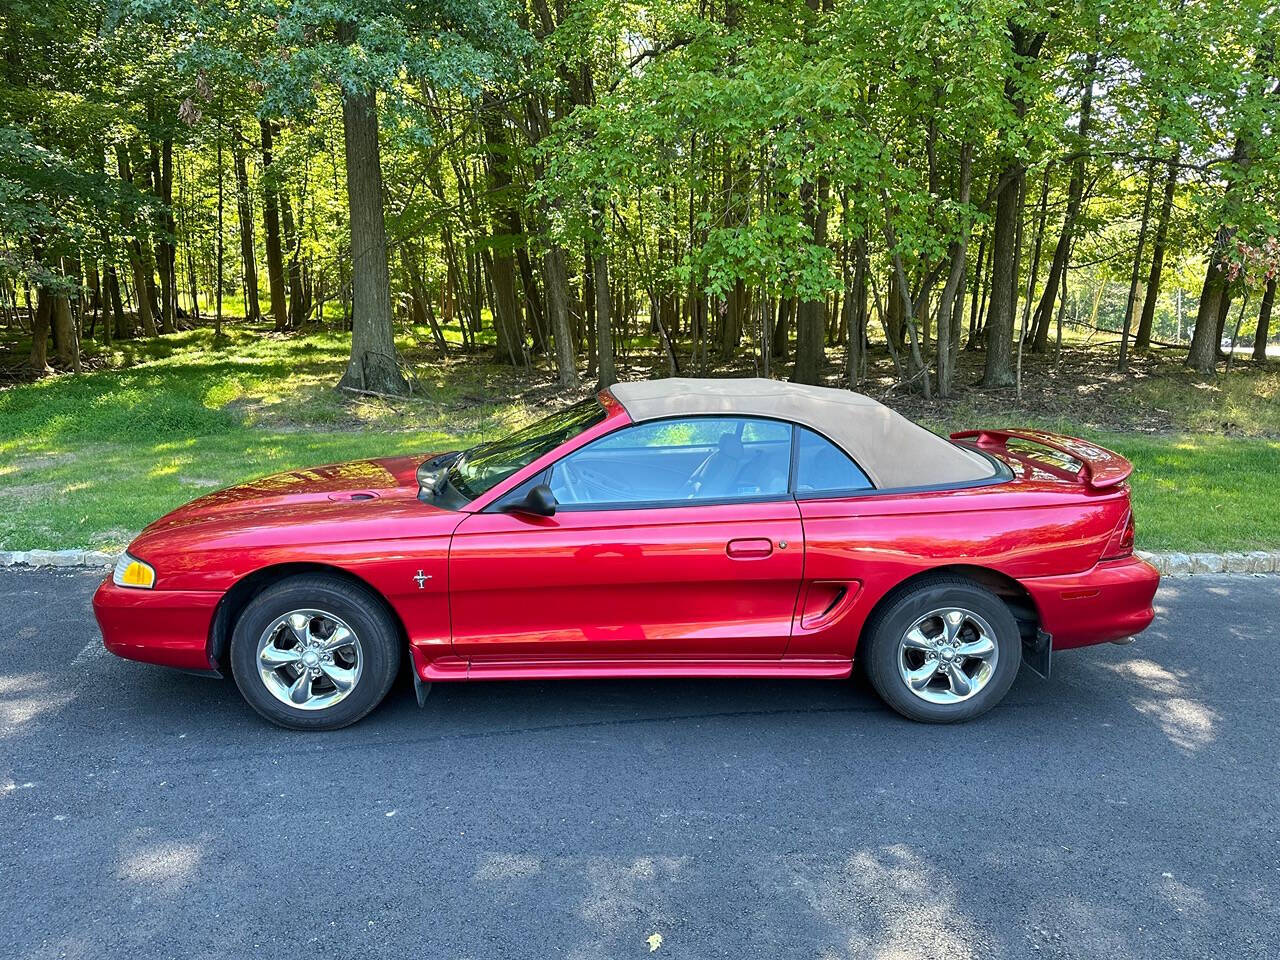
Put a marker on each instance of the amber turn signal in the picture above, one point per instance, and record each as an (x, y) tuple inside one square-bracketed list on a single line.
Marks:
[(132, 572)]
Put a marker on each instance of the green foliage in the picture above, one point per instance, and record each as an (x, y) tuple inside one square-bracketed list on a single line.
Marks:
[(719, 159)]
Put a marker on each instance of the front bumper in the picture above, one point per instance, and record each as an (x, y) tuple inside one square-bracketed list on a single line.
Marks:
[(1111, 601), (166, 627)]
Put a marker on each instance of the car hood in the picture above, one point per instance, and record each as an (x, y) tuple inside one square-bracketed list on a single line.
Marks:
[(316, 514), (316, 502), (353, 482)]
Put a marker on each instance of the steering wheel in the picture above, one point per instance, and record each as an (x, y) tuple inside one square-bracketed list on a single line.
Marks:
[(603, 483), (570, 484)]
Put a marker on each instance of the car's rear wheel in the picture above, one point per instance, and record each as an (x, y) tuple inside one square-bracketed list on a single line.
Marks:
[(944, 650), (314, 652)]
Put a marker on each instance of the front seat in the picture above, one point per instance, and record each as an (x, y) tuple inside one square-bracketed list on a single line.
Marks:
[(715, 476)]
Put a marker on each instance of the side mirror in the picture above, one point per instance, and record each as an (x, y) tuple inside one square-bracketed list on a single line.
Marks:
[(539, 501)]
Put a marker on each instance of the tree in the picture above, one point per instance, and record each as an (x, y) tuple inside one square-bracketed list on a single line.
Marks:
[(379, 54)]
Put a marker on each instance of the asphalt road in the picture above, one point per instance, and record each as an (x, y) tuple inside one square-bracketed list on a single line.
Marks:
[(1126, 808)]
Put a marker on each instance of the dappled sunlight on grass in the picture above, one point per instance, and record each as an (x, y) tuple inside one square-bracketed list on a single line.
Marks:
[(182, 415), (1245, 401)]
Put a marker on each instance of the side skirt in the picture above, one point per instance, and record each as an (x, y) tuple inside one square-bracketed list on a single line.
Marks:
[(456, 668)]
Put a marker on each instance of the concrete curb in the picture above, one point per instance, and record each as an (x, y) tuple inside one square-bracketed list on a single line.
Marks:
[(56, 558), (1239, 563), (1254, 563)]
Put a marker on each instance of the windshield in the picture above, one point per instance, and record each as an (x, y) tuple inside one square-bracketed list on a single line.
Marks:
[(485, 466)]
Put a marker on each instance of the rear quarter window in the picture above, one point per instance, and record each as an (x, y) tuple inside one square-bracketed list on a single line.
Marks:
[(822, 467)]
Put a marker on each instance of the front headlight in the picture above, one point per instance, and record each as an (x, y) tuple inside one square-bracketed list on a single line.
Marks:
[(132, 572)]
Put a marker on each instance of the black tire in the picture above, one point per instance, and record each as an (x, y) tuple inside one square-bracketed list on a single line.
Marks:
[(366, 615), (879, 650)]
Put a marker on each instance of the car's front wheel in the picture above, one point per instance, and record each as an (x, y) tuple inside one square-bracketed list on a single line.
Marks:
[(943, 651), (314, 652)]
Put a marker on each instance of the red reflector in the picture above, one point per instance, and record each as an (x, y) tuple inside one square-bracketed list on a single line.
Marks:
[(1079, 594)]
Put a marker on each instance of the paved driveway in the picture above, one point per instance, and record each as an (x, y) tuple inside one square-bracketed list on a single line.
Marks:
[(1126, 808)]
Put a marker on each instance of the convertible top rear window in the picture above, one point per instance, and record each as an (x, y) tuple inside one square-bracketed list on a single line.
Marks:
[(486, 465)]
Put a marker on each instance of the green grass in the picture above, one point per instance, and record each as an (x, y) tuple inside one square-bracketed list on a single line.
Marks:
[(1244, 401), (88, 460), (1203, 492)]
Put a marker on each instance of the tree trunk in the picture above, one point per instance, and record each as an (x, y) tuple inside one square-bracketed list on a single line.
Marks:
[(947, 336), (292, 266), (124, 328), (271, 222), (1075, 191), (219, 247), (507, 318), (104, 301), (918, 369), (1203, 355), (981, 287), (1025, 331), (856, 313), (1264, 322), (810, 324), (535, 312), (40, 327), (1224, 308), (736, 305), (811, 314), (137, 260), (162, 169), (1142, 342), (171, 239), (558, 305), (1122, 363), (1214, 295), (780, 340), (1007, 230), (64, 334), (374, 365), (608, 374), (423, 313), (1004, 263), (248, 256)]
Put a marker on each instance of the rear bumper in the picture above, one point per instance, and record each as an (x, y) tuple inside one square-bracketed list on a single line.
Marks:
[(1111, 601), (166, 627)]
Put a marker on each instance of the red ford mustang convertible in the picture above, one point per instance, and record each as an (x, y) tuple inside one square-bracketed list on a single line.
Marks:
[(672, 528)]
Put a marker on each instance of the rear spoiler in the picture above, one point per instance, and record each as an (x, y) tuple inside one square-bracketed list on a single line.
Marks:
[(1099, 468)]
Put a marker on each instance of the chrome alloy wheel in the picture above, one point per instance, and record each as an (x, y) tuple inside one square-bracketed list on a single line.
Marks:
[(309, 659), (948, 655)]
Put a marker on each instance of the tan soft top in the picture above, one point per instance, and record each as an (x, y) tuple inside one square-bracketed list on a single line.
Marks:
[(893, 451)]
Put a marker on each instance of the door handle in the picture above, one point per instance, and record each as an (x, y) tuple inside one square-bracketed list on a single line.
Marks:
[(754, 548)]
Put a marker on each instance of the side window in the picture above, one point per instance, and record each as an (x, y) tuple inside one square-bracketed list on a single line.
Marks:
[(688, 459), (822, 467)]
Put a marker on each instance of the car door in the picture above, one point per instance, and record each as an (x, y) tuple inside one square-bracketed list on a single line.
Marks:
[(674, 539)]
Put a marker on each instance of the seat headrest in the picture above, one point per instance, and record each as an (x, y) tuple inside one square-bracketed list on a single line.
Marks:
[(731, 446)]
